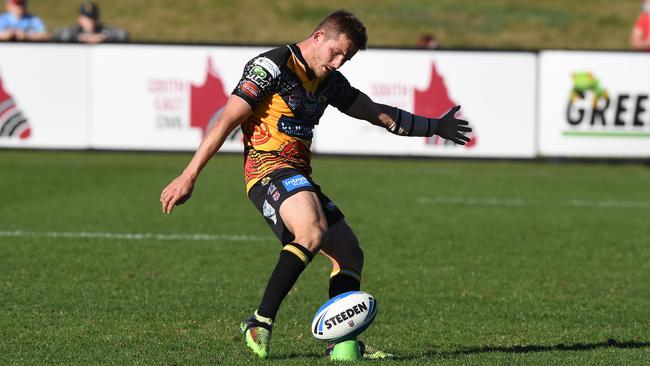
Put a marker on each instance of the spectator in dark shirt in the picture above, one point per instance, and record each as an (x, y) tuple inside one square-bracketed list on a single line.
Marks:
[(90, 29)]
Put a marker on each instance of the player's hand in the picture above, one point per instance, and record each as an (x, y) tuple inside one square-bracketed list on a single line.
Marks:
[(451, 128), (176, 193)]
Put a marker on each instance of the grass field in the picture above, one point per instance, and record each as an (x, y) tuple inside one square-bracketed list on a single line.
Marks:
[(528, 24), (477, 263)]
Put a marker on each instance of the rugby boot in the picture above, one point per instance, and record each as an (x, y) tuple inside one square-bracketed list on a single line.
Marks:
[(257, 335)]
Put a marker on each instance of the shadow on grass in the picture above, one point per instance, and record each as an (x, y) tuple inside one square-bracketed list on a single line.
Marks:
[(610, 343), (300, 355)]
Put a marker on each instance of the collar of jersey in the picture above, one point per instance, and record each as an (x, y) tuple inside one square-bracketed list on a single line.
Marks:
[(296, 51)]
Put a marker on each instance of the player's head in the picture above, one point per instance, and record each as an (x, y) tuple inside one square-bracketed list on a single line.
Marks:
[(335, 40), (342, 22)]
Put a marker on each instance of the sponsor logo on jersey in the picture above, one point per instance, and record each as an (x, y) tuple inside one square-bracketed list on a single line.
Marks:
[(262, 72), (259, 71), (268, 66), (249, 88), (295, 182), (269, 212), (272, 188), (296, 128), (276, 196), (294, 100)]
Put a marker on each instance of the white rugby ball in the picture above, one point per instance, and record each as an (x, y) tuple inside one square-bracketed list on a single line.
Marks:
[(344, 316)]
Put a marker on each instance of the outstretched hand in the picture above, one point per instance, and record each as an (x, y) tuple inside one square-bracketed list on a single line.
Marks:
[(451, 128), (176, 193)]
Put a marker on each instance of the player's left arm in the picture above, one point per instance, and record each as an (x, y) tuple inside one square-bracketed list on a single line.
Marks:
[(404, 123)]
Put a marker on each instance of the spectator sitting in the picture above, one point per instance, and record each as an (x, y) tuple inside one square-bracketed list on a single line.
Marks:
[(640, 36), (89, 29), (19, 25)]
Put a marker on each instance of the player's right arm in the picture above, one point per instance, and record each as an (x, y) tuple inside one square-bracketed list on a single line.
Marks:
[(180, 189)]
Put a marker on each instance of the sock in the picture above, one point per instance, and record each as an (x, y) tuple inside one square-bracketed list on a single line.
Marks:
[(344, 280), (294, 258), (262, 319)]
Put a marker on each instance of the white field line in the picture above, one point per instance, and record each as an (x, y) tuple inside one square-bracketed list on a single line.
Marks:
[(131, 236), (491, 201)]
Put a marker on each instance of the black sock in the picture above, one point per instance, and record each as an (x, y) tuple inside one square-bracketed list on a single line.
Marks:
[(294, 258), (344, 280)]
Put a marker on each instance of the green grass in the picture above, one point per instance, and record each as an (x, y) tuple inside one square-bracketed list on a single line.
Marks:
[(529, 24), (477, 263)]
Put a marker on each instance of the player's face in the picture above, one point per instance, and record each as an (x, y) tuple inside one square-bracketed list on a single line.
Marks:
[(331, 53)]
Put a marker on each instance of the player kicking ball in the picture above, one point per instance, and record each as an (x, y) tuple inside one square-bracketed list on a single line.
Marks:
[(278, 102)]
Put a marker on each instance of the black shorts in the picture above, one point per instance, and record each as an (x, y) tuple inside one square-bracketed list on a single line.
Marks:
[(269, 193)]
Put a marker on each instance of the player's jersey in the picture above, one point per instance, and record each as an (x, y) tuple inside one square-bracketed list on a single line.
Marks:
[(287, 101)]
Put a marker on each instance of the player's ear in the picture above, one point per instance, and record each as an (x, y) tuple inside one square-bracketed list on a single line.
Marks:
[(318, 36)]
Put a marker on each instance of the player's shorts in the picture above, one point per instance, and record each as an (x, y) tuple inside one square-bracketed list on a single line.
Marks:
[(269, 193)]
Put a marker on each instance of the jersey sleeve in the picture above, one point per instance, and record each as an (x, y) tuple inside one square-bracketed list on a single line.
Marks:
[(342, 93), (258, 81)]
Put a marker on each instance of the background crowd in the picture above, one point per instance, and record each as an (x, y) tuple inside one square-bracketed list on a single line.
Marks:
[(17, 24)]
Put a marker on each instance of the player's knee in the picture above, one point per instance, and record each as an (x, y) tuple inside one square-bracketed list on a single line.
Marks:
[(312, 238)]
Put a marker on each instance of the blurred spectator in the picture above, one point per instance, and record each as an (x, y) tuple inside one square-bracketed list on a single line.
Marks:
[(89, 29), (640, 36), (428, 41), (19, 25)]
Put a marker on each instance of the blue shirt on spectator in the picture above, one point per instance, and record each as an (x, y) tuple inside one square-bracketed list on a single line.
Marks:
[(28, 23)]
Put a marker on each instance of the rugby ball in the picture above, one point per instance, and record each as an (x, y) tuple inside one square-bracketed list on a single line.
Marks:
[(344, 316)]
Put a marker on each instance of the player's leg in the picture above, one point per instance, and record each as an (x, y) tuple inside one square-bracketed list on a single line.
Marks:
[(303, 216), (289, 206), (343, 250)]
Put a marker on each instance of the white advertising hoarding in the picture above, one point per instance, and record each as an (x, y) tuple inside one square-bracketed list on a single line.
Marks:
[(594, 104), (165, 97), (495, 90), (162, 97), (44, 99)]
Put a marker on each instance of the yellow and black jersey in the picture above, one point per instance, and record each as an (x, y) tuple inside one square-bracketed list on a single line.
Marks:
[(287, 100)]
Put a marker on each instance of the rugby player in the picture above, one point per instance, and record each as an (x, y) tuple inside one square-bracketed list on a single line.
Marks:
[(278, 102)]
